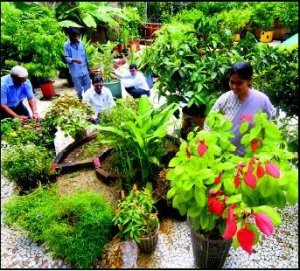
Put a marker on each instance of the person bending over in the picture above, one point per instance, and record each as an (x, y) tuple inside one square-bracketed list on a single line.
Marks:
[(15, 87)]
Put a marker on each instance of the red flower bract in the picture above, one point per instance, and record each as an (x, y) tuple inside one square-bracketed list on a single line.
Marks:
[(215, 206), (218, 179), (246, 239), (202, 148), (231, 225), (250, 180), (254, 144), (272, 170), (237, 181), (264, 223), (260, 172)]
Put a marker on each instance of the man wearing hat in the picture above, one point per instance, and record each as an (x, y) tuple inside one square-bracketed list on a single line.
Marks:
[(75, 55), (15, 87), (99, 97)]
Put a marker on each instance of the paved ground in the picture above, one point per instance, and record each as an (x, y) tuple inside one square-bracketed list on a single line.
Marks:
[(174, 245)]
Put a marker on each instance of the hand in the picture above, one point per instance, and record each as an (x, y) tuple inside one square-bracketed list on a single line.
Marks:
[(36, 116), (23, 119), (77, 60)]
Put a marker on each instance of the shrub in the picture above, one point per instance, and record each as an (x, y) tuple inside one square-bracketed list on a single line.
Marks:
[(26, 165), (75, 227)]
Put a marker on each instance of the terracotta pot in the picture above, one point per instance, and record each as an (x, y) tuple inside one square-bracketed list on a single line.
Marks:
[(47, 89)]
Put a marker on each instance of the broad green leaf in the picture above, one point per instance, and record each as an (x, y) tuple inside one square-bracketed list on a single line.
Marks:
[(235, 242), (200, 196), (89, 20), (193, 211), (68, 23), (292, 193), (171, 192), (154, 160), (234, 199), (229, 185), (268, 210), (253, 228), (144, 105), (174, 162), (244, 127), (266, 187)]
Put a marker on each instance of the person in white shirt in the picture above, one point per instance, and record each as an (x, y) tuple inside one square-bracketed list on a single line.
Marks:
[(135, 82), (99, 97)]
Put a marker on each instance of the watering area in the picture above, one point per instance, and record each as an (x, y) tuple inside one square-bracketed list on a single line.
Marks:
[(174, 248)]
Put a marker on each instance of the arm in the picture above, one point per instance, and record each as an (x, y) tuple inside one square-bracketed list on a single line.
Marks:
[(68, 56), (32, 104)]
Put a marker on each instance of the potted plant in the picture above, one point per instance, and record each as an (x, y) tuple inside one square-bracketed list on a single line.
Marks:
[(137, 220), (38, 40), (263, 16), (235, 20), (103, 60), (229, 198), (71, 115)]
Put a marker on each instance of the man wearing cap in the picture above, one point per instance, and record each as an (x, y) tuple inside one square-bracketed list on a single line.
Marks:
[(76, 57), (99, 97), (15, 87)]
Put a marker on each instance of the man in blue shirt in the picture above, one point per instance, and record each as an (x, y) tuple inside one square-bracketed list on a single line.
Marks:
[(75, 55), (15, 87)]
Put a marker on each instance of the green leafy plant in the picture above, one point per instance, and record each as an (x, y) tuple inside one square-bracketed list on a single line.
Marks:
[(69, 114), (135, 216), (231, 196), (74, 227), (138, 141), (27, 165), (102, 59), (32, 38), (14, 133)]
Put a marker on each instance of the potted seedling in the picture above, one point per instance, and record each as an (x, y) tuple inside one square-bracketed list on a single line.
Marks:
[(229, 198), (137, 219)]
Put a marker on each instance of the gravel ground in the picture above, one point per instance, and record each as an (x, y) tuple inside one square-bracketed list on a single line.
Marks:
[(174, 248)]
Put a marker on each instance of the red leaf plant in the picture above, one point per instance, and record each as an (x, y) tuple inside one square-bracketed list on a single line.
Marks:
[(202, 148), (272, 170), (231, 226), (246, 239), (264, 223)]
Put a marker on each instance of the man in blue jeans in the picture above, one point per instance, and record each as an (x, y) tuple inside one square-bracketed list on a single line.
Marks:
[(15, 87), (75, 55)]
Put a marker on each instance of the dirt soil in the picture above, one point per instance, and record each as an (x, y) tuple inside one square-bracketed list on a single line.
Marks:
[(86, 180), (86, 151)]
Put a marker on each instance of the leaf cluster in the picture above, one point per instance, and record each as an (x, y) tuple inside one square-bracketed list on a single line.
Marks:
[(27, 165), (138, 140), (134, 215), (69, 114)]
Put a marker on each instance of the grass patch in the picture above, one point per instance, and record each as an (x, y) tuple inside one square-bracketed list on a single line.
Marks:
[(74, 227)]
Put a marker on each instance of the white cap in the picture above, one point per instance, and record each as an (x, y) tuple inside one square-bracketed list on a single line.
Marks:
[(19, 71)]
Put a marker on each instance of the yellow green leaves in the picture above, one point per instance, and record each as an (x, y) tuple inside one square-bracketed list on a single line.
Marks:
[(272, 214)]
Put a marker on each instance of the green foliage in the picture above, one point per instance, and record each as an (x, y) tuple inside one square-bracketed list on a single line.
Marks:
[(102, 58), (289, 15), (32, 38), (14, 133), (27, 165), (185, 16), (134, 215), (213, 8), (193, 62), (204, 175), (69, 114), (74, 227), (138, 141), (282, 89)]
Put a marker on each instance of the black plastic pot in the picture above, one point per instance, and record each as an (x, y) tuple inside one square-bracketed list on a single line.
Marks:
[(209, 254), (148, 244)]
